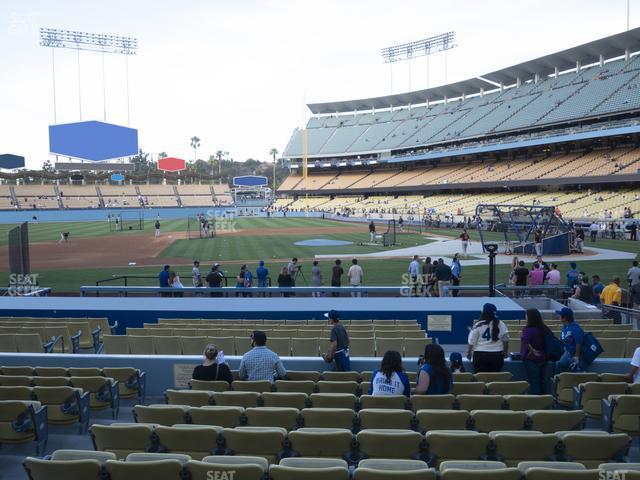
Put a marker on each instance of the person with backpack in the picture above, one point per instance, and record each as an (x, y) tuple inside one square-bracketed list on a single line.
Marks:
[(488, 341), (572, 337), (534, 354)]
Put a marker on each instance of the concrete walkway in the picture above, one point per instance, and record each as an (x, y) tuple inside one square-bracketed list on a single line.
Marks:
[(442, 247)]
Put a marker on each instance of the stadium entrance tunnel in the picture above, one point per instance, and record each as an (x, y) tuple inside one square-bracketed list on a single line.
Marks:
[(322, 242)]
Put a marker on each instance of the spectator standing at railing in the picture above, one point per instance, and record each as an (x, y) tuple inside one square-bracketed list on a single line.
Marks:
[(356, 276), (163, 278), (196, 276), (584, 291), (443, 276), (336, 276), (215, 279), (456, 273), (572, 275), (553, 276), (633, 274), (316, 277), (612, 293), (262, 273), (597, 286), (414, 274)]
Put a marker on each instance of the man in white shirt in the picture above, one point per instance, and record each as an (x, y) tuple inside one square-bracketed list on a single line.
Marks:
[(634, 373), (593, 231), (195, 274), (633, 275), (355, 275), (414, 274)]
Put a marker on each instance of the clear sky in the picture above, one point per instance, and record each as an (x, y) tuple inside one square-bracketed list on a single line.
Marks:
[(237, 73)]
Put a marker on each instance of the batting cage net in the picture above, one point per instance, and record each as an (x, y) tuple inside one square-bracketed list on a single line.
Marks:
[(201, 226), (126, 220), (520, 227), (19, 262), (389, 237)]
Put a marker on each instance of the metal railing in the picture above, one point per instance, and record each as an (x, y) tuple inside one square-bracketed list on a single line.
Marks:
[(126, 290)]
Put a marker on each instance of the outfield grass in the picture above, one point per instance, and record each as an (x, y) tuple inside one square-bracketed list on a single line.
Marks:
[(50, 231), (256, 247)]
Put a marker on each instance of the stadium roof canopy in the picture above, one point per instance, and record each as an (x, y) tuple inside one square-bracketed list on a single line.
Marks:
[(586, 54)]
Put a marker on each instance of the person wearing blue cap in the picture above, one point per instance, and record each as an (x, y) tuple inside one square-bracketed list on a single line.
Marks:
[(488, 342), (338, 352), (455, 363), (571, 337), (261, 274)]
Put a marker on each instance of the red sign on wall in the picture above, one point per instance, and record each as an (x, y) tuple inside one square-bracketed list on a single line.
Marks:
[(172, 164)]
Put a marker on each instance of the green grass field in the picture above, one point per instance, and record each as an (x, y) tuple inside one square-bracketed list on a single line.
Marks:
[(255, 247), (232, 251)]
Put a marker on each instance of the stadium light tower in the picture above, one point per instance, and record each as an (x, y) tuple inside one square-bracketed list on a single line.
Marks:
[(93, 42), (420, 48)]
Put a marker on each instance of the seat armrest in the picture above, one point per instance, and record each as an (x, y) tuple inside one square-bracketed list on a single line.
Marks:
[(607, 414)]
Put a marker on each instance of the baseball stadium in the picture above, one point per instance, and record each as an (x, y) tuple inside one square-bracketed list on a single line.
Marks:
[(440, 283)]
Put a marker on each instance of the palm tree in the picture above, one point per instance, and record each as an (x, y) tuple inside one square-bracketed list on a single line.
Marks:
[(219, 155), (211, 163), (195, 143), (274, 153)]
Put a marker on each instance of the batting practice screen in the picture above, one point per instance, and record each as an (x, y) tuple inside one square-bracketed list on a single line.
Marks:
[(19, 250)]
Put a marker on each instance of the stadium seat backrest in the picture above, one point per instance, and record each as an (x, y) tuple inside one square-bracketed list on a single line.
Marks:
[(224, 416), (328, 417)]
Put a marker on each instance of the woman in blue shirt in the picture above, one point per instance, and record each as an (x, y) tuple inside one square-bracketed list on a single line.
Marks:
[(391, 378), (434, 377)]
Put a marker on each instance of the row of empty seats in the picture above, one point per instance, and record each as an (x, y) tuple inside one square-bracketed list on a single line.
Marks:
[(422, 419), (571, 204), (287, 346), (103, 465), (569, 97), (435, 446)]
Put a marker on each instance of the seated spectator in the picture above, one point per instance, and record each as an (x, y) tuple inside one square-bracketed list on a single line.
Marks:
[(434, 377), (455, 363), (634, 372), (260, 363), (210, 369), (391, 378)]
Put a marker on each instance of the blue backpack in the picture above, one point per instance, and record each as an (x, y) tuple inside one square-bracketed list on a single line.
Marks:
[(553, 348), (591, 348)]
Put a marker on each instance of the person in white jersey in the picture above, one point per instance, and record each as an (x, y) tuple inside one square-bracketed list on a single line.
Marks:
[(488, 342), (390, 378)]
